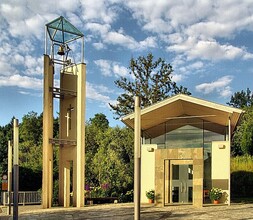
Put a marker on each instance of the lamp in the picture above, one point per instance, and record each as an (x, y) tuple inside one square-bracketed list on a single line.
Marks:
[(150, 149), (221, 146), (61, 50)]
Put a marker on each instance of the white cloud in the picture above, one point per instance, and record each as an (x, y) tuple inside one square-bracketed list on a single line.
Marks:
[(105, 67), (99, 46), (98, 93), (177, 77), (6, 68), (21, 82), (221, 86), (97, 28), (118, 38), (192, 27), (103, 11), (34, 65), (149, 42), (119, 70), (210, 29), (33, 93), (209, 50), (196, 65), (21, 20), (110, 68), (158, 25), (191, 68)]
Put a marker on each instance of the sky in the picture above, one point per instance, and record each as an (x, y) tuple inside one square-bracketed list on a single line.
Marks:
[(208, 43)]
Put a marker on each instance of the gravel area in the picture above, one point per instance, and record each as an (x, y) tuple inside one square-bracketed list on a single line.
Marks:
[(126, 212)]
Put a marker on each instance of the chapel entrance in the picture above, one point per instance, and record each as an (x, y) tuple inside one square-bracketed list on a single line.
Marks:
[(180, 181)]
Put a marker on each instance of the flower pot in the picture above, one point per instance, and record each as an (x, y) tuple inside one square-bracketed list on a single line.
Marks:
[(215, 201), (151, 201)]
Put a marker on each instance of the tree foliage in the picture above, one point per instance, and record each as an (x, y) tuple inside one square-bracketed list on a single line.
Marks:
[(109, 157), (109, 153), (30, 149), (100, 122), (243, 137), (149, 79), (242, 99), (5, 135)]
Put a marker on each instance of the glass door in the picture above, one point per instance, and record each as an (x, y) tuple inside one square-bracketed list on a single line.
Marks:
[(181, 176)]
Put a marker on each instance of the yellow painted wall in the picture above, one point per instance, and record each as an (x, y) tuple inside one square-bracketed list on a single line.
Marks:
[(221, 164), (147, 170)]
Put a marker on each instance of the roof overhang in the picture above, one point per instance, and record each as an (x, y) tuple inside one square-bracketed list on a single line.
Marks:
[(185, 107)]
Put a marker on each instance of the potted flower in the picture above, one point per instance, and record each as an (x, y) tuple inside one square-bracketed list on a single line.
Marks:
[(215, 194), (150, 195)]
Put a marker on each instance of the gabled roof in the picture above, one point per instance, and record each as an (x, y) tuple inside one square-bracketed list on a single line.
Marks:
[(185, 106), (62, 31)]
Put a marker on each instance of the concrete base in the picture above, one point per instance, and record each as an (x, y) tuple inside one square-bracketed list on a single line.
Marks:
[(3, 209)]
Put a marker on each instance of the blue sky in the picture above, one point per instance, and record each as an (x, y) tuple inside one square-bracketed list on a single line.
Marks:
[(208, 43)]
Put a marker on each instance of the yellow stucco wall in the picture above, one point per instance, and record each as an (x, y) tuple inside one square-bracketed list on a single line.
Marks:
[(147, 170), (221, 167)]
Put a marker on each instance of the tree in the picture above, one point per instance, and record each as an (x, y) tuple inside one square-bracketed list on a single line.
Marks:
[(243, 138), (30, 149), (6, 134), (241, 99), (95, 127), (108, 155), (30, 145), (113, 162), (100, 121), (150, 79)]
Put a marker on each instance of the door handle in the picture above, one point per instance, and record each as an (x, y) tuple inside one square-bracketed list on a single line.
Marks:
[(181, 187)]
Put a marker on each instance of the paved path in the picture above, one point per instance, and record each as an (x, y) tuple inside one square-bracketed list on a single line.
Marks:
[(126, 212)]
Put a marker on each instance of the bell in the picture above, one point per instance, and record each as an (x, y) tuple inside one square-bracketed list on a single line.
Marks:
[(61, 50)]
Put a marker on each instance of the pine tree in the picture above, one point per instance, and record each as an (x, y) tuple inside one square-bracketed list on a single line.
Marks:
[(149, 79)]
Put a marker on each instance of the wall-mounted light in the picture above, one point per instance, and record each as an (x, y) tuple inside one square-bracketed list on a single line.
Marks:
[(221, 146), (150, 149)]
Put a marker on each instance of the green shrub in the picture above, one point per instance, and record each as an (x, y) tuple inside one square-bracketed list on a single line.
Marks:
[(242, 184), (128, 197), (242, 176)]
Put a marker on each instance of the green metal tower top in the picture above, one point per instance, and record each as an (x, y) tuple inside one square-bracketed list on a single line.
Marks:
[(62, 31)]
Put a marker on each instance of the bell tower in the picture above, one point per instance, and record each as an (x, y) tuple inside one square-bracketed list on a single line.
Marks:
[(69, 88)]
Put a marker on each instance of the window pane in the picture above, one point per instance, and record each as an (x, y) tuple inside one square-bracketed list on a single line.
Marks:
[(175, 172)]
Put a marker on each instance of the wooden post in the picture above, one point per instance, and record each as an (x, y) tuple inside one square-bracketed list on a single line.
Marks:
[(137, 158), (9, 175), (15, 168)]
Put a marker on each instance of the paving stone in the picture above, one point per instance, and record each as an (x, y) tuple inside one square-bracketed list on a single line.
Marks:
[(126, 212)]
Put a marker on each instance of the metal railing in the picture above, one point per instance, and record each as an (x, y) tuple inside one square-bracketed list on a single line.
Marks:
[(24, 198)]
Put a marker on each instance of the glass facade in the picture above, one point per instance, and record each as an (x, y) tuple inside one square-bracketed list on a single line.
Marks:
[(190, 133)]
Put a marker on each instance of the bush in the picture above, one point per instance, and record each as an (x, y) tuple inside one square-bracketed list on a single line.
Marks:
[(242, 184), (242, 176), (128, 197)]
